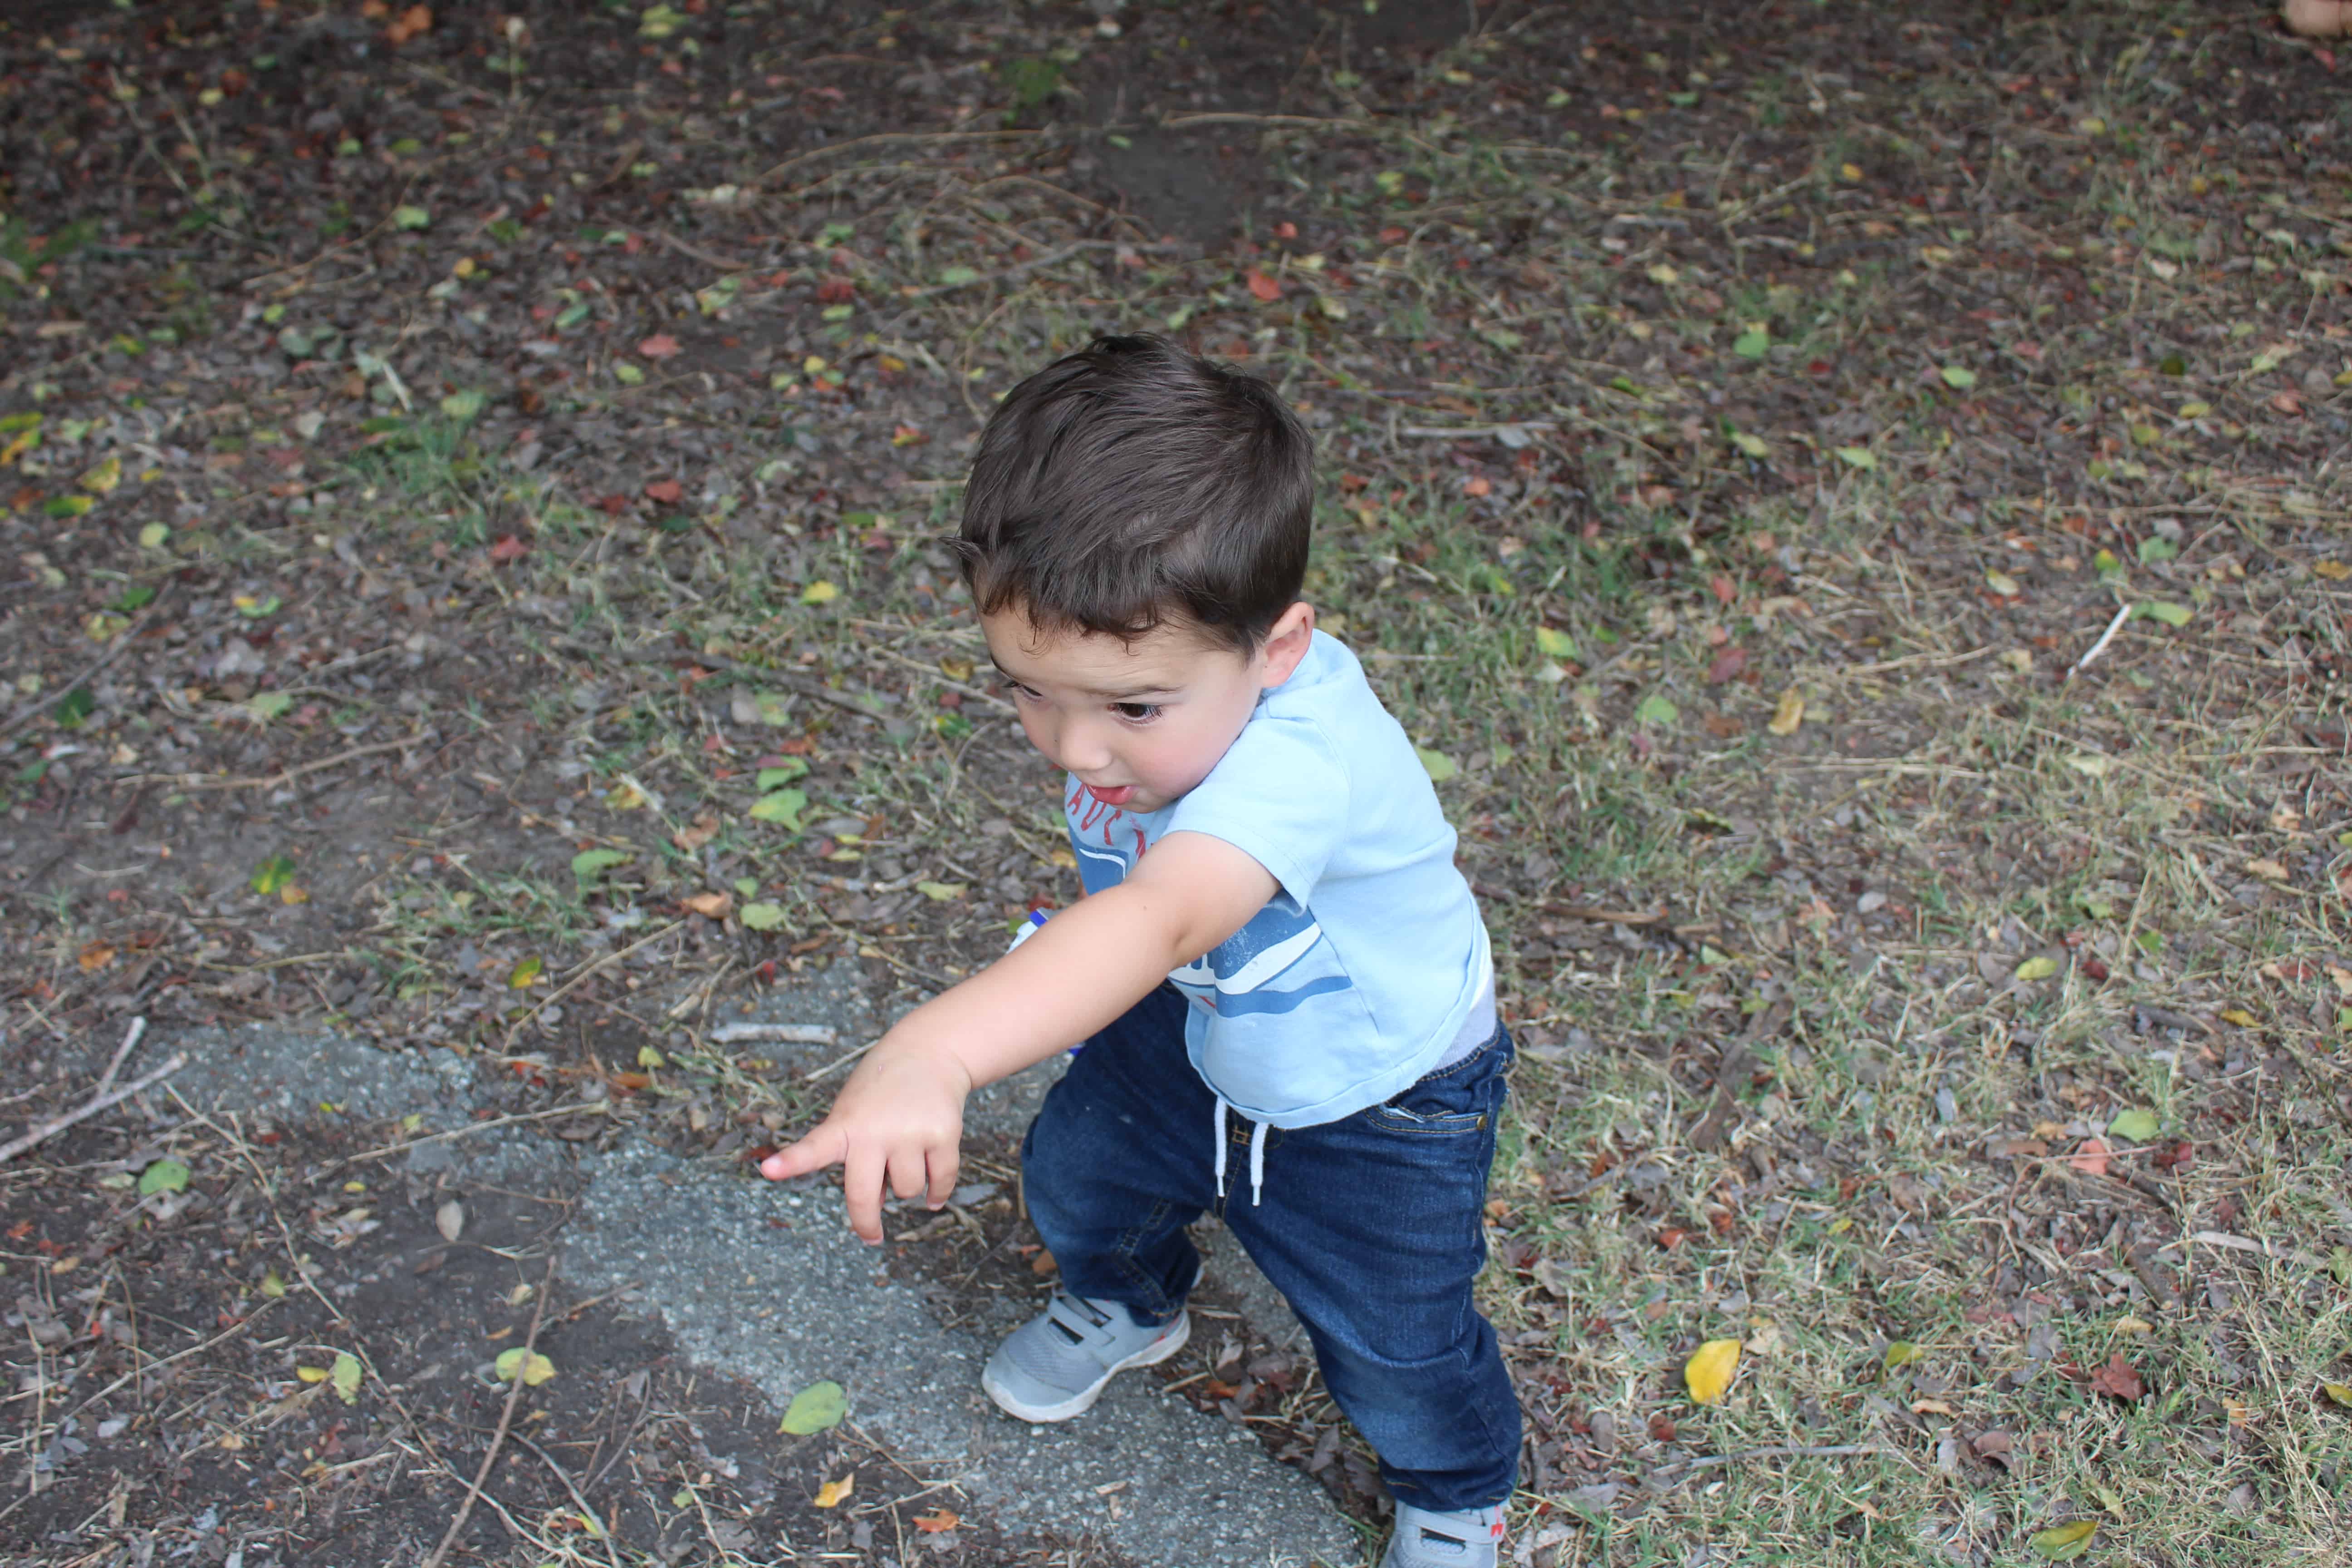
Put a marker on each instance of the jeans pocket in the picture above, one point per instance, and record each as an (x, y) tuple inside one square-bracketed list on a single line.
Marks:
[(1459, 1099)]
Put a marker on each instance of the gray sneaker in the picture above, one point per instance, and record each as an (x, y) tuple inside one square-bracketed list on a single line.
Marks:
[(1054, 1365), (1467, 1539)]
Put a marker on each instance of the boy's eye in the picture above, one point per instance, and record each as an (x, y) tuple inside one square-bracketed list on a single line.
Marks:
[(1137, 709)]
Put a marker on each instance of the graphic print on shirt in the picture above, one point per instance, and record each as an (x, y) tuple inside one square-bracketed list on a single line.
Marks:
[(1280, 959)]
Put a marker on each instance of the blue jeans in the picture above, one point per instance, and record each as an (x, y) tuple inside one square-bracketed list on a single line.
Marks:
[(1371, 1227)]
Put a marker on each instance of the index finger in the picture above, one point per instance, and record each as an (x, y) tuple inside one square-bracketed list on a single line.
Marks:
[(825, 1144)]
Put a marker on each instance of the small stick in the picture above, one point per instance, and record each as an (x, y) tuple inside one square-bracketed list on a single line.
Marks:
[(34, 710), (548, 1459), (48, 1130), (471, 1127), (782, 1034), (205, 781), (506, 1420), (2105, 637), (129, 1043)]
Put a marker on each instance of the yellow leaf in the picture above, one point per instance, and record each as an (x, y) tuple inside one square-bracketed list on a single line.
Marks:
[(2037, 969), (830, 1494), (2128, 1325), (1787, 713), (2340, 1392), (2333, 571), (538, 1370), (2065, 1542), (101, 480), (2268, 870), (2240, 1016), (1903, 1353), (272, 1285), (312, 1374), (1709, 1371), (526, 973), (292, 894), (820, 593)]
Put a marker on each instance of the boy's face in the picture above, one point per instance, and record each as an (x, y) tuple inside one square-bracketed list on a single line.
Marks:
[(1142, 723)]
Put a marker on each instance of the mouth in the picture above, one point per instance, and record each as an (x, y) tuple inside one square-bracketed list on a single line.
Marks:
[(1118, 796)]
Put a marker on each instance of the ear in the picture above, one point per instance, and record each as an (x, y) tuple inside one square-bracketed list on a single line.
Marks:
[(1286, 643)]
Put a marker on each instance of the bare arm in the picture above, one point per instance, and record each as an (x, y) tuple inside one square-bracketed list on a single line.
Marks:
[(900, 1116)]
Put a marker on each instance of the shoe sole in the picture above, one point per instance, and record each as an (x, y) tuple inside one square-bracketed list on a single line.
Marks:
[(1079, 1403)]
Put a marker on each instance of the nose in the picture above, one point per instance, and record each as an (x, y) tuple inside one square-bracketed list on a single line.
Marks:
[(1081, 746)]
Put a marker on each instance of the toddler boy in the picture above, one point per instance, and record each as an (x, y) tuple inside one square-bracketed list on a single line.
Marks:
[(1282, 982)]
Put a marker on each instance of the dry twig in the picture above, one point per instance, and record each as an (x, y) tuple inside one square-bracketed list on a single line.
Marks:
[(506, 1420)]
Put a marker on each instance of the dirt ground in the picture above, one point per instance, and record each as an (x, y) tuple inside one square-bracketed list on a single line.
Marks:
[(470, 481)]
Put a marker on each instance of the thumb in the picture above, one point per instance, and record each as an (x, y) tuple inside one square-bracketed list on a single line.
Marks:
[(825, 1145)]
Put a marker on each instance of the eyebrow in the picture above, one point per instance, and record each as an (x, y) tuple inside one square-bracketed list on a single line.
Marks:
[(1124, 694)]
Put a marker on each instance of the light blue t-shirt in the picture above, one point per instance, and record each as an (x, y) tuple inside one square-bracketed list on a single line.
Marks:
[(1371, 963)]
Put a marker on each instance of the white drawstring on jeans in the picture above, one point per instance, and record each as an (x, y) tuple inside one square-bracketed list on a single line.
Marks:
[(1257, 1153)]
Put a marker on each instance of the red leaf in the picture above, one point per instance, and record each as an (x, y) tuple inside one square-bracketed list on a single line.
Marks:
[(1724, 588), (2287, 402), (1476, 484), (509, 547), (2091, 1159), (661, 345), (935, 1521), (1285, 230), (2118, 1378), (1392, 234), (1820, 368), (836, 292), (666, 491), (1262, 286), (613, 505), (1727, 664)]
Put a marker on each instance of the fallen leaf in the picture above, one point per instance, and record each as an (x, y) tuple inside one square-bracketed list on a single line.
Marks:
[(1787, 713), (2139, 1124), (2340, 1392), (941, 892), (162, 1176), (310, 1374), (2091, 1159), (783, 807), (820, 593), (2002, 583), (450, 1219), (1903, 1353), (2240, 1016), (819, 1407), (536, 1371), (94, 956), (2118, 1378), (660, 346), (2037, 968), (1439, 766), (104, 478), (272, 874), (669, 492), (2065, 1542), (1958, 377), (414, 22), (509, 547), (1857, 457), (1708, 1373), (711, 906), (1262, 286), (346, 1377), (2333, 571), (1555, 644), (1656, 709), (763, 916), (2172, 614), (411, 217), (830, 1494), (937, 1521), (526, 974), (2268, 870)]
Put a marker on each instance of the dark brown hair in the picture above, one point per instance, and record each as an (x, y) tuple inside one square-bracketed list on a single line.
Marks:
[(1133, 484)]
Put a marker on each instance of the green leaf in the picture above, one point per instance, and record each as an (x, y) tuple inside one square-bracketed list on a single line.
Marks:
[(526, 973), (1753, 344), (268, 705), (1555, 644), (1656, 709), (74, 707), (2155, 548), (534, 1368), (941, 892), (1439, 766), (783, 807), (67, 506), (955, 277), (627, 374), (819, 1407), (463, 405), (1903, 1353), (409, 217), (2170, 614), (272, 874), (762, 917), (1857, 457), (1959, 378), (2110, 568), (1754, 445), (590, 865), (2041, 968), (152, 536), (2004, 585), (346, 1377), (2139, 1124), (782, 773), (162, 1176), (2065, 1542)]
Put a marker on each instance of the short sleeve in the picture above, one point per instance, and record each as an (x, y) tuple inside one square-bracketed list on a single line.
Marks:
[(1279, 794)]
